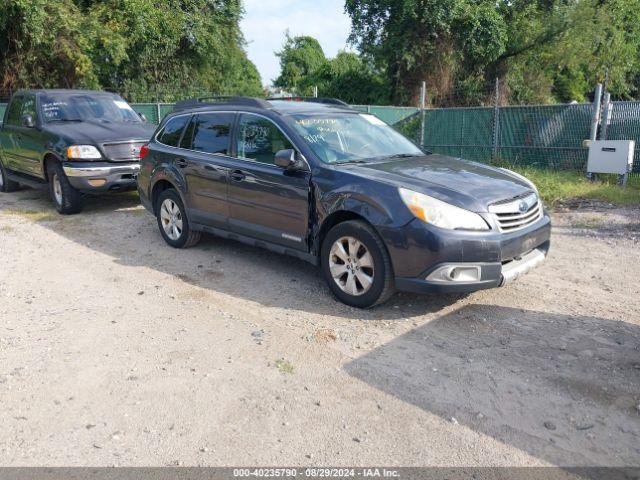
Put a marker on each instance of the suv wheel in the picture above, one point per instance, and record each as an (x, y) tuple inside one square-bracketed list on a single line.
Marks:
[(6, 185), (356, 265), (173, 222), (66, 198)]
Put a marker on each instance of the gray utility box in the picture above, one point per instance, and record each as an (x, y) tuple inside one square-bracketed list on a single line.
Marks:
[(611, 156)]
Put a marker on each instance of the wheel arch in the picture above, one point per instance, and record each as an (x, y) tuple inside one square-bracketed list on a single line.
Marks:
[(46, 160)]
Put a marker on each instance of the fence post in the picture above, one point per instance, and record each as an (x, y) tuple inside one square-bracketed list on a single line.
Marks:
[(423, 95), (606, 116), (158, 112), (596, 113), (496, 121)]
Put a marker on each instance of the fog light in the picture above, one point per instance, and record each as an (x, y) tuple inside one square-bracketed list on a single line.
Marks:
[(456, 273), (97, 182)]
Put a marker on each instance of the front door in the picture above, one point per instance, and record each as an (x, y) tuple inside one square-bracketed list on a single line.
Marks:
[(29, 151), (266, 201)]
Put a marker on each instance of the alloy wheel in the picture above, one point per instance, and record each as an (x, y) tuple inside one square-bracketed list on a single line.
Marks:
[(171, 218), (351, 266)]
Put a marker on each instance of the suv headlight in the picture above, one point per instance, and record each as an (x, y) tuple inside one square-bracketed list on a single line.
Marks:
[(83, 152), (441, 214)]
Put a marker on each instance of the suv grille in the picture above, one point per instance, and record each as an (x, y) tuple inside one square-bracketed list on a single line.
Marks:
[(518, 212), (123, 152)]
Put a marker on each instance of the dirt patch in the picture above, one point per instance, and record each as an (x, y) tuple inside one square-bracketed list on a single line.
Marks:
[(119, 350)]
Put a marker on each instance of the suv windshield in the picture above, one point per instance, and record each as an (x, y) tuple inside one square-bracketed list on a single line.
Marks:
[(342, 138), (83, 107)]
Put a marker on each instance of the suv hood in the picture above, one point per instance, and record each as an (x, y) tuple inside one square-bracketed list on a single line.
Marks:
[(92, 133), (470, 185)]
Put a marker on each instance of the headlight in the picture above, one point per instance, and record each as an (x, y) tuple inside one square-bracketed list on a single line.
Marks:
[(521, 177), (441, 214), (84, 152)]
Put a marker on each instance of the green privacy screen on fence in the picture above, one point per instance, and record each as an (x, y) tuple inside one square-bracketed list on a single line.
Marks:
[(543, 136)]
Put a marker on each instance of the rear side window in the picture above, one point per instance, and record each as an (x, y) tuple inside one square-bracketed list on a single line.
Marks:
[(211, 132), (260, 139), (170, 134), (14, 111)]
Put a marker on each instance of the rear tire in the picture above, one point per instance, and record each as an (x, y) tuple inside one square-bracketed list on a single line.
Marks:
[(6, 185), (172, 221), (356, 266), (66, 199)]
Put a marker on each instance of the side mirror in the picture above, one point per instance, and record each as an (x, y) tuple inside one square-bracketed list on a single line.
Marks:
[(142, 116), (27, 121), (288, 160)]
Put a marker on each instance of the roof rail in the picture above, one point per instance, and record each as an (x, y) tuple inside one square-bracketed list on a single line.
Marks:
[(324, 100), (220, 100)]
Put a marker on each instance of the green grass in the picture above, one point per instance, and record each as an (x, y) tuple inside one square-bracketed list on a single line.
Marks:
[(556, 187), (34, 215)]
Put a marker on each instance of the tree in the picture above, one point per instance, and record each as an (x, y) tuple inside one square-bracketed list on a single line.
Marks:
[(541, 50), (348, 76), (300, 60), (144, 49)]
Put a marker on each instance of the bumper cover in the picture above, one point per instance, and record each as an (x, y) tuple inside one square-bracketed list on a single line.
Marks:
[(494, 258), (102, 176)]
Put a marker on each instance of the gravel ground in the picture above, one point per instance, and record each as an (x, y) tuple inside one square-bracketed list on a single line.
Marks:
[(118, 350)]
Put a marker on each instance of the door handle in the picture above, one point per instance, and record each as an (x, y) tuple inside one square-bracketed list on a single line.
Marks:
[(237, 175), (181, 162)]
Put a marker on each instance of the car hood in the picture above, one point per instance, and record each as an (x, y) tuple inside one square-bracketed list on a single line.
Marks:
[(93, 132), (467, 184)]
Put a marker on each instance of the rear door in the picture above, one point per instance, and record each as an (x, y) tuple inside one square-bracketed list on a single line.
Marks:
[(206, 144), (266, 201)]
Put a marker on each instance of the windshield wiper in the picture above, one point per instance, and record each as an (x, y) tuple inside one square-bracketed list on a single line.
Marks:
[(66, 120), (350, 162), (403, 155)]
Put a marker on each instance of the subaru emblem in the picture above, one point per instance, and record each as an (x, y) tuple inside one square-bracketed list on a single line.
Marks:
[(523, 206)]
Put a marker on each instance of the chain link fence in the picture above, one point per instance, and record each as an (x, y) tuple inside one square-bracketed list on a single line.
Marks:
[(541, 136)]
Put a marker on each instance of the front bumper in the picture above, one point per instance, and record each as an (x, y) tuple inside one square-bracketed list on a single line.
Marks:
[(429, 259), (97, 177)]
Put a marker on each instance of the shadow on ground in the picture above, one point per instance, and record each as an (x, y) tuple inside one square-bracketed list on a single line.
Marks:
[(117, 225), (564, 389)]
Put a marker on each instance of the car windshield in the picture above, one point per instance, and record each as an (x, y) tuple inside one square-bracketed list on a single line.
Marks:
[(348, 138), (83, 107)]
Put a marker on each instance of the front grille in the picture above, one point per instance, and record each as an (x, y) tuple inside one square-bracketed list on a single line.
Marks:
[(517, 213), (123, 152)]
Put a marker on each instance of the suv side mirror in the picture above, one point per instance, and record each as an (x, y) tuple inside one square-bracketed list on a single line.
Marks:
[(288, 160), (27, 121)]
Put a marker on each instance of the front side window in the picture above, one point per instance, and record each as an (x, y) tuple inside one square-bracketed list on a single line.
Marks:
[(14, 111), (349, 137), (209, 133), (259, 139), (29, 107), (172, 131)]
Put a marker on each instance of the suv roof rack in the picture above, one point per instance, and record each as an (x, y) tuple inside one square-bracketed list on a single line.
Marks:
[(324, 100), (220, 100)]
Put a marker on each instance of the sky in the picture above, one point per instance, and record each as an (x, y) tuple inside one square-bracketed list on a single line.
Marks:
[(266, 22)]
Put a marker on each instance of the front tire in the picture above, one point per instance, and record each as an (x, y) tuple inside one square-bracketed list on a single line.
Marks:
[(356, 265), (172, 221), (66, 199), (6, 185)]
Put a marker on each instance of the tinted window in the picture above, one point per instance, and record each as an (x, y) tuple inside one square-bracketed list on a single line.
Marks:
[(29, 107), (259, 139), (171, 132), (14, 112), (211, 132)]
